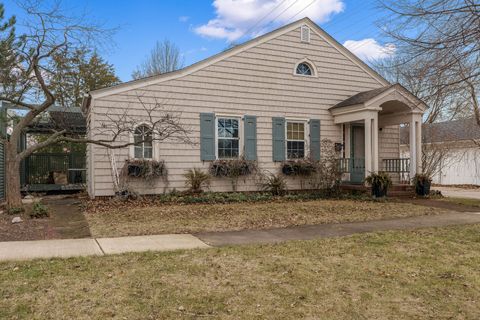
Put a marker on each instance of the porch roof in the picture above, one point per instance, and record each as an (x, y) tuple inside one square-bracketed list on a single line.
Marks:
[(365, 97)]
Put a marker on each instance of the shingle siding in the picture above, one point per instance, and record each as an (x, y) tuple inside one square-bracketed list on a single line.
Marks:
[(259, 82)]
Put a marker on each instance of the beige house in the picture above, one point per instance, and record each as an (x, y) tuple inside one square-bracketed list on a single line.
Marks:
[(271, 99)]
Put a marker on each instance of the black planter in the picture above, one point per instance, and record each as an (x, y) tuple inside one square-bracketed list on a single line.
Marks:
[(134, 170), (423, 189), (379, 192), (288, 170)]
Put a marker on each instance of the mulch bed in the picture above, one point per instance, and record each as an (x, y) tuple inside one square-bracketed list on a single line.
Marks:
[(66, 221), (29, 229)]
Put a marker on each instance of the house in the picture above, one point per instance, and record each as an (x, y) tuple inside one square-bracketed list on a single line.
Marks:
[(273, 98), (451, 153)]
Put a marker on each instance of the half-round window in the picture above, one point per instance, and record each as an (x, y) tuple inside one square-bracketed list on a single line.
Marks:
[(143, 142), (304, 69)]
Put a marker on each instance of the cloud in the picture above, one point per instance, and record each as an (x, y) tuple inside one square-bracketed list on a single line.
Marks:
[(369, 49), (183, 18), (233, 18)]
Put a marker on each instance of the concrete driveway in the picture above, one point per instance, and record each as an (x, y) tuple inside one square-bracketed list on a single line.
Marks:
[(459, 192)]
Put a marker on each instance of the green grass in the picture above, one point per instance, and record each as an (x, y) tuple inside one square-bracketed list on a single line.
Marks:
[(114, 220), (430, 273)]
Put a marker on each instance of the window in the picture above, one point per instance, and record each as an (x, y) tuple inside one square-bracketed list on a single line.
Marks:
[(143, 142), (295, 140), (228, 138), (304, 69), (305, 34)]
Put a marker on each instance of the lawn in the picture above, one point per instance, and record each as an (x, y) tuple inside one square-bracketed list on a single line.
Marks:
[(429, 273), (463, 201), (130, 219)]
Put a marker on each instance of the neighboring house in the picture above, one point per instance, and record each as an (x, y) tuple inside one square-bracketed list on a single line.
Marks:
[(451, 149), (58, 167), (280, 94)]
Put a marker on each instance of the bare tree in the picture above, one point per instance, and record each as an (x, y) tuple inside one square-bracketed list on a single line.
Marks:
[(164, 57), (444, 36), (27, 84)]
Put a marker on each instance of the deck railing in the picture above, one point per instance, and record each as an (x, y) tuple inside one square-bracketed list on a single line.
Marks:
[(39, 168)]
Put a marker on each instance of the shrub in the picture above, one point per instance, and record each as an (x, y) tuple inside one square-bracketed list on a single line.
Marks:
[(16, 210), (422, 183), (298, 167), (196, 180), (379, 183), (39, 211), (327, 173), (273, 183)]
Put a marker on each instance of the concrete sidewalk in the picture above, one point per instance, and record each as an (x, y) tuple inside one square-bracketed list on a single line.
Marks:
[(459, 192), (65, 248), (336, 229), (24, 250)]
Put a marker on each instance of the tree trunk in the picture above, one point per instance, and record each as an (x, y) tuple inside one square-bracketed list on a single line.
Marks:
[(12, 175)]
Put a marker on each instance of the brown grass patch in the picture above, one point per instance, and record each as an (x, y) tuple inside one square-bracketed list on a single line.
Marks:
[(176, 218)]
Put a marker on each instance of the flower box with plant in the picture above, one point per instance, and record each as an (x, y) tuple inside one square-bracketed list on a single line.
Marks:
[(299, 167), (380, 182), (142, 168), (422, 183), (232, 169)]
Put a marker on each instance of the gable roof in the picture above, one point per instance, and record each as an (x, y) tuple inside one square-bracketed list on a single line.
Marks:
[(366, 96), (448, 131), (135, 84), (361, 97)]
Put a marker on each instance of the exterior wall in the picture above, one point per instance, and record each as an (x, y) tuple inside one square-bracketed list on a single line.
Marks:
[(258, 81), (460, 166), (389, 147)]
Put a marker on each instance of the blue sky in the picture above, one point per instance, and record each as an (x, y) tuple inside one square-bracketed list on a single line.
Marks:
[(201, 28)]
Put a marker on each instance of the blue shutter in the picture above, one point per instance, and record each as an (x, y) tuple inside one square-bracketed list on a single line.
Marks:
[(207, 136), (250, 135), (278, 139), (315, 139)]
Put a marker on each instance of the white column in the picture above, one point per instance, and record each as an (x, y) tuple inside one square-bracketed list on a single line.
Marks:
[(347, 140), (368, 146), (418, 144), (413, 146), (375, 142)]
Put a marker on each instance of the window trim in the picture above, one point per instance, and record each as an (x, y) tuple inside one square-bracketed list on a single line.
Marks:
[(132, 140), (240, 132), (306, 134), (313, 68)]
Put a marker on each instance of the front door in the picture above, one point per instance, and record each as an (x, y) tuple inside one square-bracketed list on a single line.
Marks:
[(357, 156)]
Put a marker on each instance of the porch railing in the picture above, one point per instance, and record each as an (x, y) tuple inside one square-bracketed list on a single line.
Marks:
[(350, 165), (396, 165)]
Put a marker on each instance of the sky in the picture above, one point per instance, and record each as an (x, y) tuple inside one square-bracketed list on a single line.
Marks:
[(201, 28)]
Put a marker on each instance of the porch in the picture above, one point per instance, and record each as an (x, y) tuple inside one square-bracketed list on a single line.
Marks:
[(370, 124)]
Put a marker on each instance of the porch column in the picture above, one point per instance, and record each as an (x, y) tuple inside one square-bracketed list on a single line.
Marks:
[(368, 146), (415, 153), (418, 143), (375, 142)]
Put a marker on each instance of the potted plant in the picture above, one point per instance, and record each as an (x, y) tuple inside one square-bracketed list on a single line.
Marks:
[(422, 183), (379, 183)]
